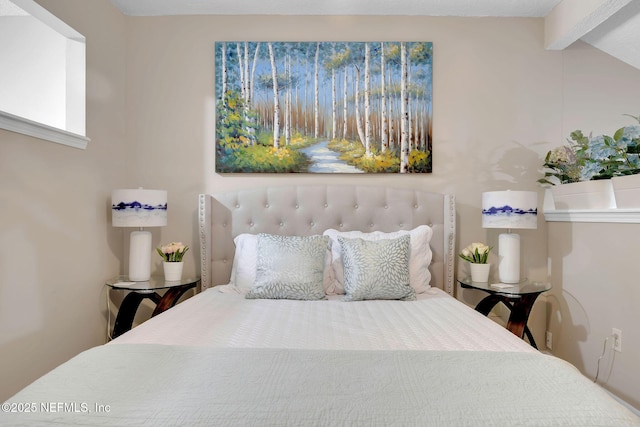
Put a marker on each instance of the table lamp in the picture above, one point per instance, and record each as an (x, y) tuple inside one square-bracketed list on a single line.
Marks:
[(509, 209), (139, 208)]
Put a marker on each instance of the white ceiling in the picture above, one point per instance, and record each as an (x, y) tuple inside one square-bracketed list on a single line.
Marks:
[(7, 8), (612, 26), (530, 8), (619, 35)]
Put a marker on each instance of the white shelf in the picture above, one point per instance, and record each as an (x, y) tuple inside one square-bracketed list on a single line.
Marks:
[(610, 215), (627, 216)]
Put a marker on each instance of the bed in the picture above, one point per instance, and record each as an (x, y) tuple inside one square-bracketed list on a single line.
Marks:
[(319, 305)]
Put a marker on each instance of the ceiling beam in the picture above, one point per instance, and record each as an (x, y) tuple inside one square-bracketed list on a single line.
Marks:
[(572, 19)]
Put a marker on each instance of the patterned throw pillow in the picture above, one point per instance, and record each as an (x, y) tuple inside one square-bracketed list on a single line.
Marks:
[(376, 269), (245, 260), (420, 256), (289, 267)]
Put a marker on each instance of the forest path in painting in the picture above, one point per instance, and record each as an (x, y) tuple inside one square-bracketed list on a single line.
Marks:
[(326, 161)]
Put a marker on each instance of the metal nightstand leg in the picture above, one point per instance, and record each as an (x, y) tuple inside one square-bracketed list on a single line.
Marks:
[(520, 309), (127, 311)]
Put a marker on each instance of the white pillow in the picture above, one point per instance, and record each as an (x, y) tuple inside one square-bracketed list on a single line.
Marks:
[(243, 272), (245, 261), (419, 256)]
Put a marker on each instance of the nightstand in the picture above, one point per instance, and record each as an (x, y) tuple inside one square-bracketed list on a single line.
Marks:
[(518, 297), (139, 291)]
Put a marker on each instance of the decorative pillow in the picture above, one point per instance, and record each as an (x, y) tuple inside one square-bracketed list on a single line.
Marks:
[(419, 256), (376, 269), (243, 271), (289, 267)]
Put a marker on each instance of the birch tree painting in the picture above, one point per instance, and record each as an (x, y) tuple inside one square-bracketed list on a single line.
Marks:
[(323, 107)]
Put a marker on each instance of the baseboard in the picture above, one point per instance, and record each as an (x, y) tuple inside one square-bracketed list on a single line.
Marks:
[(623, 402)]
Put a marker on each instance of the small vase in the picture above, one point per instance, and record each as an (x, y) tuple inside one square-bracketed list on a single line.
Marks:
[(172, 271), (479, 272)]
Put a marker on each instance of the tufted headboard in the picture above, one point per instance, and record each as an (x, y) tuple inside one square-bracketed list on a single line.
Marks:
[(311, 209)]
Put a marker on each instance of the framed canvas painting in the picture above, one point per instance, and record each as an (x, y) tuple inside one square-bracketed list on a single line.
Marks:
[(323, 107)]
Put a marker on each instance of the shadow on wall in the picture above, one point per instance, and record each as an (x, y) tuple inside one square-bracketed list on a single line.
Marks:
[(566, 317), (517, 166)]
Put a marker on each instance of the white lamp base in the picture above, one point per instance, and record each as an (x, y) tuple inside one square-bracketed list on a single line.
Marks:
[(509, 258), (140, 256)]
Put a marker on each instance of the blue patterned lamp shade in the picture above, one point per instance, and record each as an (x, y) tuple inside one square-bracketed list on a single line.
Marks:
[(139, 208), (509, 209)]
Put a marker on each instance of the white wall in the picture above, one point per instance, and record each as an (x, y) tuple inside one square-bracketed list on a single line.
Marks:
[(500, 102), (595, 290), (58, 244)]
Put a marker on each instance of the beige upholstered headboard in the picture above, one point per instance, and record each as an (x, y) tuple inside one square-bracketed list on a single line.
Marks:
[(311, 209)]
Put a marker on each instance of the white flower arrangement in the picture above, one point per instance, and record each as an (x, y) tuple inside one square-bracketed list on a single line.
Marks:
[(173, 252), (476, 253)]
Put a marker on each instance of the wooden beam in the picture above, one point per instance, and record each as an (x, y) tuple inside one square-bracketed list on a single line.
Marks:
[(572, 19)]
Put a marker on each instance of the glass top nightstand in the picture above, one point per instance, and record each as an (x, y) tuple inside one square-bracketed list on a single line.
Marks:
[(146, 290), (513, 289), (518, 297), (155, 283)]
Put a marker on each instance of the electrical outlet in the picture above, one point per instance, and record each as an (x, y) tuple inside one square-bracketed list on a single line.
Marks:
[(549, 340), (617, 339)]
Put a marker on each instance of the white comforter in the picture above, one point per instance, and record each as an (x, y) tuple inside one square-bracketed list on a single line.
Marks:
[(219, 317), (240, 362), (156, 385)]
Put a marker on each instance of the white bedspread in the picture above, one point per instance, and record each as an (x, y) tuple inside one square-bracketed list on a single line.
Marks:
[(219, 318), (156, 385)]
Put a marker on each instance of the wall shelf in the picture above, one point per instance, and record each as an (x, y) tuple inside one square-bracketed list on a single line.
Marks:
[(610, 215), (627, 216)]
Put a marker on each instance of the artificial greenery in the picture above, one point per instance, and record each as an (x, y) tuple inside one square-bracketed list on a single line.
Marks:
[(587, 158)]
